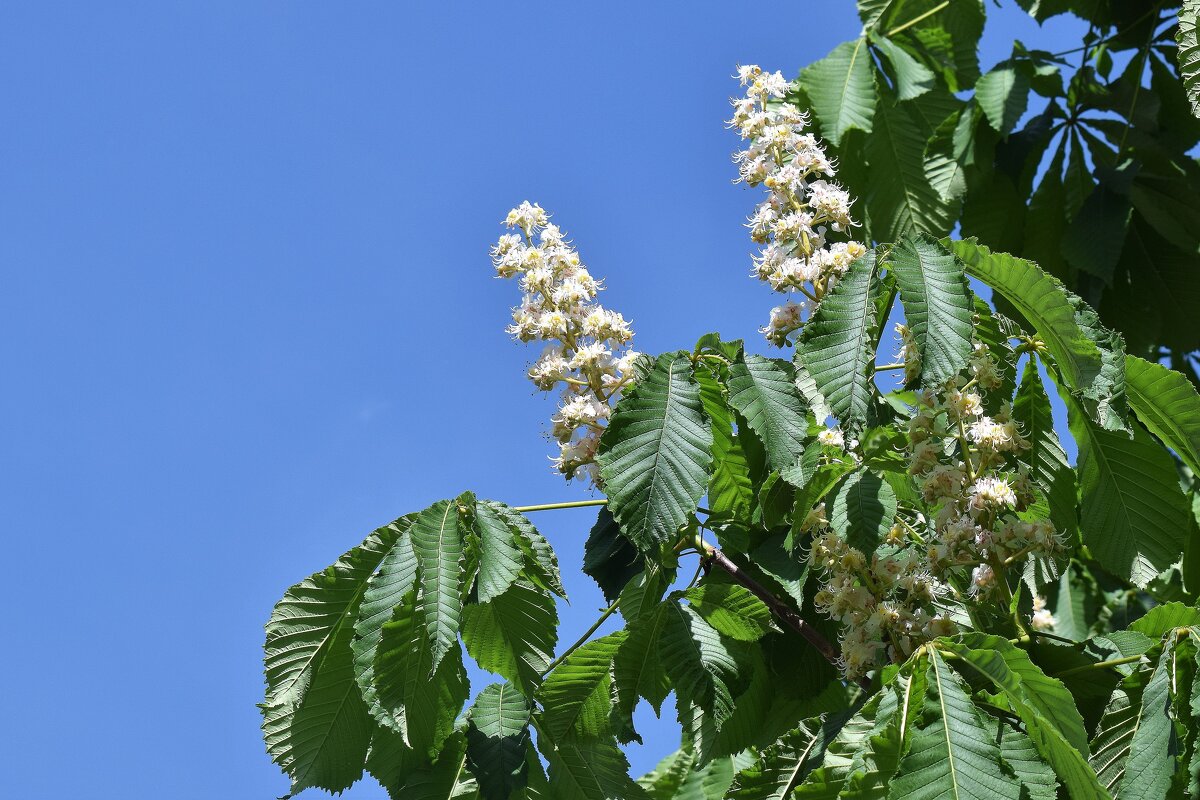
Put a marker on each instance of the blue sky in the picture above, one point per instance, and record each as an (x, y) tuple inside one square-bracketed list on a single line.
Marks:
[(248, 316)]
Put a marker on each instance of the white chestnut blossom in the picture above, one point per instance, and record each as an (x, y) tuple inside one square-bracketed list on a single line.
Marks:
[(803, 211), (587, 349), (1042, 619)]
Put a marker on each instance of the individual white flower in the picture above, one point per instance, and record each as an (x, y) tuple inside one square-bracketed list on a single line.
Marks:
[(963, 405), (784, 319), (1042, 619), (991, 494), (832, 437)]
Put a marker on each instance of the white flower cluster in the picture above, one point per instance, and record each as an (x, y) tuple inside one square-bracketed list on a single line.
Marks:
[(803, 211), (885, 603), (584, 340), (888, 601), (1042, 619)]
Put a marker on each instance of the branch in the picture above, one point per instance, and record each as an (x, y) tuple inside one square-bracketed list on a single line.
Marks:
[(777, 606)]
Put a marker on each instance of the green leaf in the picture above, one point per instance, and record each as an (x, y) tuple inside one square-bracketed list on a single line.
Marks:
[(541, 565), (1188, 54), (835, 346), (949, 152), (1133, 515), (780, 767), (437, 541), (699, 662), (638, 670), (1048, 465), (841, 88), (863, 509), (1003, 94), (1167, 403), (514, 634), (764, 391), (913, 78), (656, 454), (844, 743), (609, 557), (315, 723), (1044, 705), (497, 739), (415, 699), (1095, 237), (1122, 716), (567, 689), (731, 487), (1151, 763), (1162, 619), (313, 613), (731, 609), (1042, 300), (500, 558), (445, 778), (588, 770), (899, 198), (396, 577), (937, 305), (873, 766), (1018, 751), (952, 754), (664, 781)]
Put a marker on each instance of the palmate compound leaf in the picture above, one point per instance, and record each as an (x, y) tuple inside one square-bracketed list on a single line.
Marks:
[(953, 754), (835, 347), (937, 305), (1042, 703), (315, 723), (764, 392), (841, 89), (656, 454), (1166, 403), (497, 740), (416, 699), (1133, 515)]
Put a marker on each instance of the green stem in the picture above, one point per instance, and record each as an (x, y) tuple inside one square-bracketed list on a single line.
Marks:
[(1116, 662), (917, 19), (582, 640), (553, 506)]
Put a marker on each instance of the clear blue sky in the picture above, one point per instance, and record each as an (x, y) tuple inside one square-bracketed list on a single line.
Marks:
[(248, 315)]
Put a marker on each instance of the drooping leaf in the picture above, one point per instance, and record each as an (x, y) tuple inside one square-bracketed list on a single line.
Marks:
[(1151, 764), (315, 723), (1133, 516), (514, 634), (863, 509), (444, 778), (566, 690), (835, 346), (1167, 403), (780, 767), (437, 540), (656, 454), (952, 754), (1043, 704), (638, 671), (416, 699), (1003, 94), (899, 198), (588, 770), (913, 78), (937, 305), (841, 87), (699, 661), (609, 557), (764, 392), (540, 561), (500, 558), (1188, 54), (731, 609), (497, 740), (1048, 465), (1122, 715)]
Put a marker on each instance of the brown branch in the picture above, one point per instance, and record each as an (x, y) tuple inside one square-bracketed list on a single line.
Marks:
[(777, 606)]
